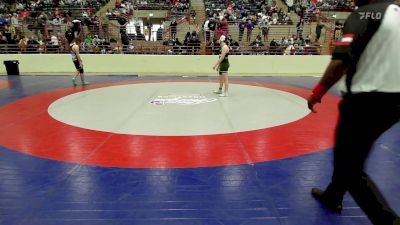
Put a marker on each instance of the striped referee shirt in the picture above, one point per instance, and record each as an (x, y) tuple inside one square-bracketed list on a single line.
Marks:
[(370, 46)]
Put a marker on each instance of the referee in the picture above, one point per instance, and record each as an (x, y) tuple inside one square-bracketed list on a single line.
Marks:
[(366, 64)]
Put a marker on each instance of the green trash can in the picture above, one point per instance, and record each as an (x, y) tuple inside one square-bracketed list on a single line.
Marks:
[(12, 67)]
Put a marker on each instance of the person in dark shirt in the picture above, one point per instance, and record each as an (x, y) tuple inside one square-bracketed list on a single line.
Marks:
[(300, 28), (211, 26), (318, 30), (69, 35), (159, 33), (222, 66), (242, 25), (367, 58), (173, 28)]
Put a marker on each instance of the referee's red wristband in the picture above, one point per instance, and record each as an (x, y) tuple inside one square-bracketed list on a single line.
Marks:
[(319, 91)]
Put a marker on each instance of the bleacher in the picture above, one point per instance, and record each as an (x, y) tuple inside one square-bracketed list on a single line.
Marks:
[(135, 45)]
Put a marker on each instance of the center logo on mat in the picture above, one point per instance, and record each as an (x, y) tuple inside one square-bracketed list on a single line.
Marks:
[(181, 99)]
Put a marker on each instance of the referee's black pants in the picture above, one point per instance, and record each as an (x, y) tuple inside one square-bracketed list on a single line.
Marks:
[(363, 118)]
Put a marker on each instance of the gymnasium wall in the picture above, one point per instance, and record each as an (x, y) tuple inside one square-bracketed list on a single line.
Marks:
[(61, 64)]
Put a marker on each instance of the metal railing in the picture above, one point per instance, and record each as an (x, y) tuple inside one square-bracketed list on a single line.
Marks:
[(267, 50), (117, 48)]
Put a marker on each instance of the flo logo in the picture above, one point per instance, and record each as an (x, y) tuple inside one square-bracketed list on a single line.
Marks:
[(370, 15), (188, 99)]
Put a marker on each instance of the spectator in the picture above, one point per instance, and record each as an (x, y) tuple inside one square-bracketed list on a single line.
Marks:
[(338, 30), (69, 35), (53, 44), (250, 27), (108, 13), (40, 26), (150, 32), (212, 26), (173, 27), (14, 24), (242, 25), (273, 47), (97, 41), (57, 22), (139, 35), (116, 47), (195, 41), (57, 13), (23, 44), (159, 33), (300, 28), (122, 20), (96, 23), (197, 28), (130, 47), (117, 4), (225, 26), (220, 32), (192, 16), (62, 41), (206, 30), (257, 42), (265, 26), (105, 23), (24, 14), (3, 43), (187, 39), (54, 41), (87, 44), (19, 6), (289, 50), (318, 30)]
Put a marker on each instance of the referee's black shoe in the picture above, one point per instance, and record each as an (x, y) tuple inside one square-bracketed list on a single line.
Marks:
[(319, 195)]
